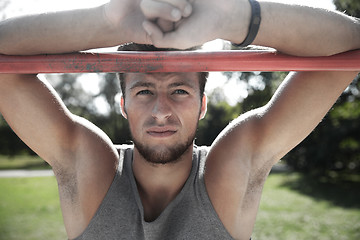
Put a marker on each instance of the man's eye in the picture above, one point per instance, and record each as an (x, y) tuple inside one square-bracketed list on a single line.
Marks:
[(144, 92), (180, 91)]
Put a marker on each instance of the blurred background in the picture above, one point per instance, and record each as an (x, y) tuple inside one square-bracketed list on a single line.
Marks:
[(312, 193)]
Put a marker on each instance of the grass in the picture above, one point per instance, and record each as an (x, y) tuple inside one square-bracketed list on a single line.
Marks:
[(293, 207), (298, 207), (30, 209), (22, 162)]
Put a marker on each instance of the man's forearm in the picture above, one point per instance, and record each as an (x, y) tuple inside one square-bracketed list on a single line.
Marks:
[(57, 32), (307, 31), (292, 29)]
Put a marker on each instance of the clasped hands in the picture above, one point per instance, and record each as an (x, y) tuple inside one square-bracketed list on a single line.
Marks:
[(178, 24), (166, 22)]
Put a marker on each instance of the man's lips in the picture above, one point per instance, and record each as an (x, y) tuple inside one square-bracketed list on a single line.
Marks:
[(161, 131)]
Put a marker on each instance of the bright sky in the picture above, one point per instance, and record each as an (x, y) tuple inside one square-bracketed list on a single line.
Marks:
[(19, 7), (232, 88)]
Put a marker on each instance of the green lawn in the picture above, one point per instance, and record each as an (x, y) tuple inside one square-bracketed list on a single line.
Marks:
[(292, 207), (30, 209), (22, 162), (297, 207)]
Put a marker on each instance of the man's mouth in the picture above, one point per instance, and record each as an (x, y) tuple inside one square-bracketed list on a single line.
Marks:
[(161, 131)]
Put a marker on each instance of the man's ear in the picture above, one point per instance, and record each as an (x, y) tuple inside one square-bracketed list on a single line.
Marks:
[(122, 107), (203, 107)]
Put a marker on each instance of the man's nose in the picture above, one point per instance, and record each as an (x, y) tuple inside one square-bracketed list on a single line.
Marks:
[(161, 109)]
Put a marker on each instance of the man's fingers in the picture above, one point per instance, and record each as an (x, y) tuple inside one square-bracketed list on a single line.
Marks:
[(184, 6), (165, 25), (164, 40), (171, 10), (153, 31), (153, 10)]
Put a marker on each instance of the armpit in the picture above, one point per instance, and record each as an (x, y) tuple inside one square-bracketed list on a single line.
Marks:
[(67, 184)]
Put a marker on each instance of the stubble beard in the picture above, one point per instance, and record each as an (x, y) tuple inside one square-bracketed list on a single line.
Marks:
[(165, 155)]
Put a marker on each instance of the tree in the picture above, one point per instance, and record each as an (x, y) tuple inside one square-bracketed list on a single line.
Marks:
[(219, 114), (82, 103), (334, 146), (351, 7), (115, 126)]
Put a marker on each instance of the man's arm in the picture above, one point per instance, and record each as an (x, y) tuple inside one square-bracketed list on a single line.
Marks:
[(68, 31), (114, 23), (307, 31), (292, 29), (244, 153), (81, 155)]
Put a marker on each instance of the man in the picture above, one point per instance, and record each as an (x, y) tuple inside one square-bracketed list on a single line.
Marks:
[(164, 187)]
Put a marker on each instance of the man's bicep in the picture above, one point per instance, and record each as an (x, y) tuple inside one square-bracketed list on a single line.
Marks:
[(242, 156), (258, 139), (36, 114), (234, 187), (297, 107)]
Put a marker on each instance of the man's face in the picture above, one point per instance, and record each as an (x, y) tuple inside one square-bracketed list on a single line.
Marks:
[(163, 111)]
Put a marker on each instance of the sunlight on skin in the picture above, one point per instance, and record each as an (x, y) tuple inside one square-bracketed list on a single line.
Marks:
[(328, 4), (21, 7), (233, 90)]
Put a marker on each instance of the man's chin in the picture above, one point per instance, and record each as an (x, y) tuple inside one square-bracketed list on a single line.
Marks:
[(162, 154)]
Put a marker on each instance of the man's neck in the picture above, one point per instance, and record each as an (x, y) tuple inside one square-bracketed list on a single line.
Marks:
[(159, 184)]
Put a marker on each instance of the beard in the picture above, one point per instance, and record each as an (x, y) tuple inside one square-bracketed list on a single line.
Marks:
[(164, 155)]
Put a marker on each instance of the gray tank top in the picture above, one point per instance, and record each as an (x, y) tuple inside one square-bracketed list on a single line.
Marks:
[(189, 216)]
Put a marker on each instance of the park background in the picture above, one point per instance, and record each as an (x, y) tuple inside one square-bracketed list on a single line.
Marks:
[(315, 195)]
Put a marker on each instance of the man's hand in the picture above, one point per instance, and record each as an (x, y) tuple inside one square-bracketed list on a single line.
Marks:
[(292, 29), (125, 17), (171, 10), (209, 20), (166, 14)]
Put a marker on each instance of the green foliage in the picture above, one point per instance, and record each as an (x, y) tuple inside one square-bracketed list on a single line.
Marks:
[(72, 94), (220, 113), (334, 146), (351, 7), (217, 117), (10, 144)]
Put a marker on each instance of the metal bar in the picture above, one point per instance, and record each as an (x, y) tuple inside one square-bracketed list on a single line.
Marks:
[(177, 61)]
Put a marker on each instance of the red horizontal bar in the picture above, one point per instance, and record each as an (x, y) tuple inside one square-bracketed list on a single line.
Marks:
[(177, 61)]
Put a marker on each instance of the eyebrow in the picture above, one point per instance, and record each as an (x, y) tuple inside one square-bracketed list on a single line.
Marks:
[(142, 84), (181, 83)]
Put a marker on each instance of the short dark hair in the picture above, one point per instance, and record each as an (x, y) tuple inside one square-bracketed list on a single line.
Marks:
[(146, 47)]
